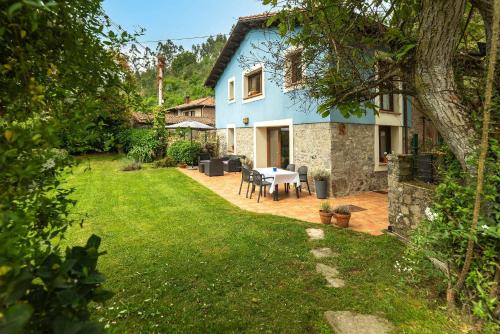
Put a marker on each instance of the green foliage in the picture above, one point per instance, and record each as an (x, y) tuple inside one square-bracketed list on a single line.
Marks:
[(325, 207), (445, 231), (143, 145), (165, 162), (184, 151), (342, 210), (320, 175), (62, 85), (133, 166)]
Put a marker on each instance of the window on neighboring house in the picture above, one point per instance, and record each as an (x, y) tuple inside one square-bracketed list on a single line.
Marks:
[(384, 143), (230, 92), (186, 113), (253, 83), (386, 102), (294, 68)]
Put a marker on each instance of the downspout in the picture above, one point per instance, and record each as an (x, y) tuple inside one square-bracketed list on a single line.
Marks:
[(405, 124)]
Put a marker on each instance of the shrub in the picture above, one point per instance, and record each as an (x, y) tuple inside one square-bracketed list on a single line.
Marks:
[(165, 162), (141, 154), (342, 210), (320, 175), (133, 166), (184, 151)]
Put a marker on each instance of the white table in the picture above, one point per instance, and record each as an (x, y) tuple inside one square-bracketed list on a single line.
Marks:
[(280, 176)]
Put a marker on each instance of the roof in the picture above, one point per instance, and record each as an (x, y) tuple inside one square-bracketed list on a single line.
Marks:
[(147, 119), (242, 27), (208, 101)]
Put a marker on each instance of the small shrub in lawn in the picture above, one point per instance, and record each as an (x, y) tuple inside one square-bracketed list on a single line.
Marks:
[(133, 166), (165, 162), (184, 151), (141, 154)]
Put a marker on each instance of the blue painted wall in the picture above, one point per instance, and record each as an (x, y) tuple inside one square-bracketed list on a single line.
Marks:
[(277, 103)]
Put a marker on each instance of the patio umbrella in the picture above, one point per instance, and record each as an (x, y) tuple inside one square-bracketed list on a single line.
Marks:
[(191, 125)]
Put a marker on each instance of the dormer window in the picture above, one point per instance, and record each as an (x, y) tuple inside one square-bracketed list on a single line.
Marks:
[(253, 83), (294, 68)]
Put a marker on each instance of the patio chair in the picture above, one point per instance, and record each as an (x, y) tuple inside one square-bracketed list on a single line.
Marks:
[(260, 181), (202, 157), (303, 178), (233, 164), (291, 168), (246, 176), (214, 167)]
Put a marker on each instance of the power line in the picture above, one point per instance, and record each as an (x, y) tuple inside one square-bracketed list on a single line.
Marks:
[(179, 39)]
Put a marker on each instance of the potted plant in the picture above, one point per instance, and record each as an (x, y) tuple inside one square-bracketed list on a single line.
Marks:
[(325, 213), (342, 215), (321, 177)]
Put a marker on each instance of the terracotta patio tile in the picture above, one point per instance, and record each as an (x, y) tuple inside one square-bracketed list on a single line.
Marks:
[(373, 220)]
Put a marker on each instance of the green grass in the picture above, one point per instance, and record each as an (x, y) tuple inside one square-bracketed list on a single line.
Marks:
[(182, 259)]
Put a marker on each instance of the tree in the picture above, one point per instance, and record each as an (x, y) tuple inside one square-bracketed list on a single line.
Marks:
[(355, 50), (61, 70)]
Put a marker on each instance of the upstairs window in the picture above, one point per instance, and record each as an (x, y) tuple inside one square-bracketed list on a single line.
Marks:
[(294, 68), (230, 90), (253, 83), (386, 98)]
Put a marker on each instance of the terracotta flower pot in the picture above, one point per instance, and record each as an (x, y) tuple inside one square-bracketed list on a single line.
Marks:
[(326, 217), (342, 220)]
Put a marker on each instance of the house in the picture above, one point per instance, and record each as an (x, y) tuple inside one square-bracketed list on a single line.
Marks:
[(201, 110), (257, 117)]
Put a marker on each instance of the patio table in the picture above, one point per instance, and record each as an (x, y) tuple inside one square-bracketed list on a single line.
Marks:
[(280, 176)]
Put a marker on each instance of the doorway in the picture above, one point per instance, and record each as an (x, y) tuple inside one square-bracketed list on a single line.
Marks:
[(278, 147)]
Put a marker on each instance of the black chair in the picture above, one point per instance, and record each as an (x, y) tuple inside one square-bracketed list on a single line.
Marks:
[(202, 157), (214, 167), (246, 176), (233, 164), (290, 168), (303, 178), (260, 181)]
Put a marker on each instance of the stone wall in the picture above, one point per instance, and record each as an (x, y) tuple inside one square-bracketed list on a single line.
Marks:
[(352, 160), (244, 142), (312, 147), (408, 198), (221, 137)]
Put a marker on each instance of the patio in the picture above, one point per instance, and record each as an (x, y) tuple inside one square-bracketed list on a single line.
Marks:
[(370, 216)]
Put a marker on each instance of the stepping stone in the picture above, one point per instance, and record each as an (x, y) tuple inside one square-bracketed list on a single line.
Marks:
[(331, 275), (346, 322), (315, 233), (322, 252)]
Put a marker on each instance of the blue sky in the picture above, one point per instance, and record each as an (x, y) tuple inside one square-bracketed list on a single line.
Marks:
[(169, 19)]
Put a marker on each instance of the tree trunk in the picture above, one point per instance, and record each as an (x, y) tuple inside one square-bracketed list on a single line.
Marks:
[(439, 34)]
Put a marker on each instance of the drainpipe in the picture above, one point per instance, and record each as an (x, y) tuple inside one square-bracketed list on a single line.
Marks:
[(405, 123)]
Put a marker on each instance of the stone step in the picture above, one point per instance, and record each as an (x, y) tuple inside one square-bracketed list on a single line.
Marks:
[(331, 275), (315, 233), (346, 322), (323, 252)]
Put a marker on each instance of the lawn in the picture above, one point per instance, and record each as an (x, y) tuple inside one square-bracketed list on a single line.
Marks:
[(183, 260)]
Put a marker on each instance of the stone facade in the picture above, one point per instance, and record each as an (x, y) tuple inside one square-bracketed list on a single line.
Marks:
[(408, 198), (344, 150), (352, 159)]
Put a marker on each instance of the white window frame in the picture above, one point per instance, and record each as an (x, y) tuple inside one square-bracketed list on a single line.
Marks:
[(244, 84), (229, 81), (286, 87)]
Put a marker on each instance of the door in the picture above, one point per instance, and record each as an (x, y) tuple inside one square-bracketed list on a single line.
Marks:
[(278, 147)]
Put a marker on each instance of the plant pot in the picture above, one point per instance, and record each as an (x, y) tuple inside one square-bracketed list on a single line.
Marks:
[(321, 189), (326, 217), (342, 220)]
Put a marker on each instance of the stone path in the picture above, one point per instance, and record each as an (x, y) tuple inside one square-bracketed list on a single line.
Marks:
[(315, 233), (322, 252), (331, 275), (346, 322)]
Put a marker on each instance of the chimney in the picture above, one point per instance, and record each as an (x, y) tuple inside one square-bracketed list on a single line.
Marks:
[(187, 99)]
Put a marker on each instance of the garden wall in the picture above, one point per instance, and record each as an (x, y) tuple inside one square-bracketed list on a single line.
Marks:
[(408, 198)]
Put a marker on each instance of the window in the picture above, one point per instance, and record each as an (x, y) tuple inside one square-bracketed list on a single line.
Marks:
[(386, 100), (253, 83), (230, 90), (230, 140), (384, 142), (294, 69)]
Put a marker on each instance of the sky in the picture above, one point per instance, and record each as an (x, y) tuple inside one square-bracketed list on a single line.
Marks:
[(171, 19)]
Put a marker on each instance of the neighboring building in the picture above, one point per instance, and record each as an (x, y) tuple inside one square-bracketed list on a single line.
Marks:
[(257, 118), (201, 110)]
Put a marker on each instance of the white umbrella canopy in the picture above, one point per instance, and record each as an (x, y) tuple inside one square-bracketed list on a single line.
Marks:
[(191, 125)]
